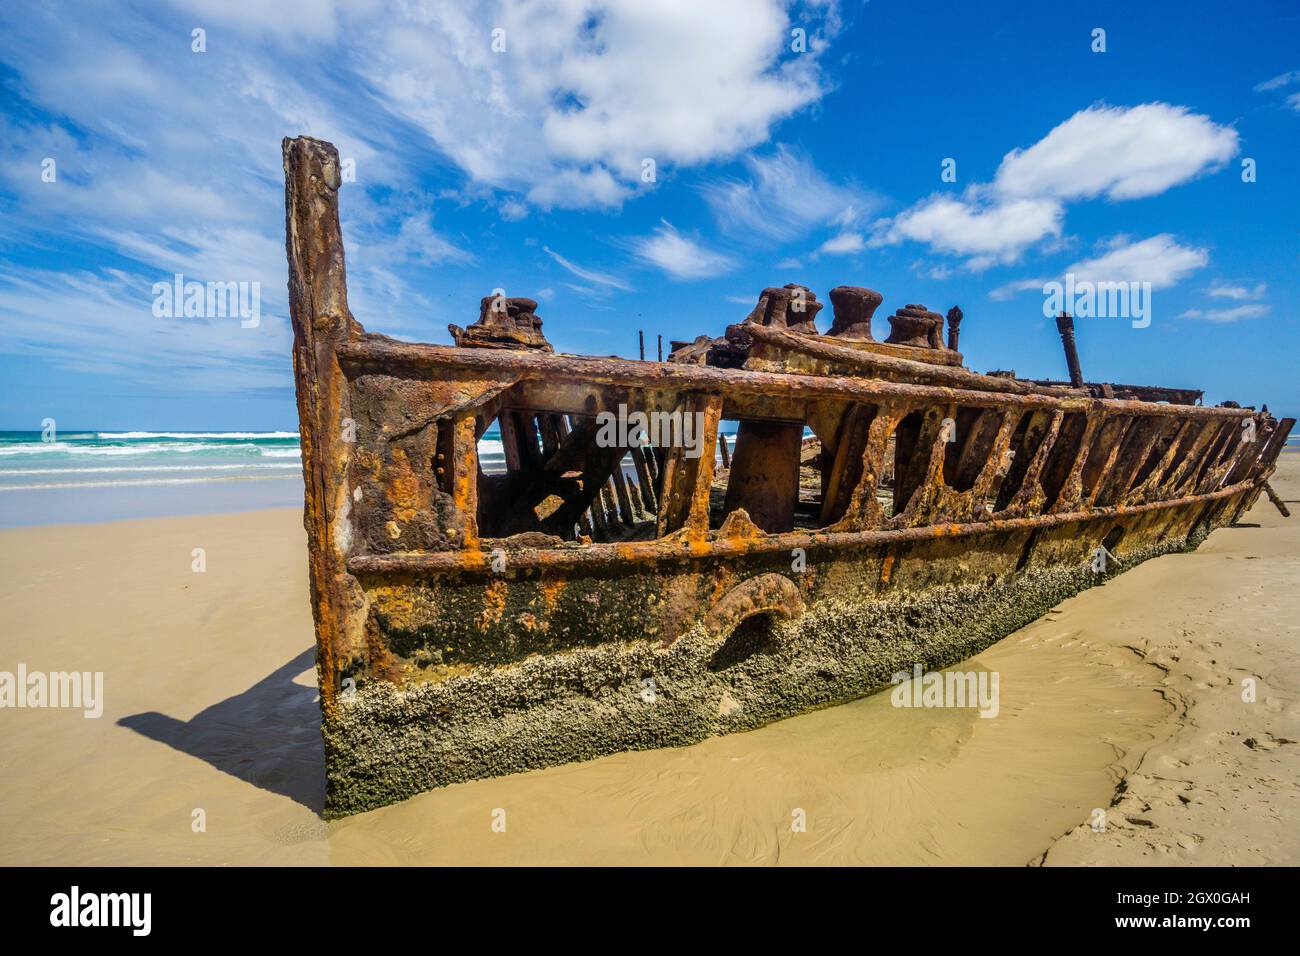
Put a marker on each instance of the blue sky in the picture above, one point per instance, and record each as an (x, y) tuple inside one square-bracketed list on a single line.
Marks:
[(522, 169)]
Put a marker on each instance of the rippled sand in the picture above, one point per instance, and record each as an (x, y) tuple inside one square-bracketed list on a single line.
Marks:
[(211, 706)]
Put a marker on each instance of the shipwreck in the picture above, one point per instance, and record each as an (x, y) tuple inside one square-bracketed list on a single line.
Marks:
[(876, 507)]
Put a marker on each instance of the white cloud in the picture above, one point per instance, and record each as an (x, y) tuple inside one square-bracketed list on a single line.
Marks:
[(168, 160), (512, 210), (1159, 260), (579, 189), (1116, 152), (598, 278), (784, 197), (1236, 292), (680, 257), (1279, 81), (46, 315), (585, 91), (988, 232), (1234, 314), (845, 243), (1122, 153)]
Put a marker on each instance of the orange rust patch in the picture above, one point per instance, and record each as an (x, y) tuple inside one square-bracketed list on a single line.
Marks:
[(494, 603), (551, 587), (886, 568), (405, 487)]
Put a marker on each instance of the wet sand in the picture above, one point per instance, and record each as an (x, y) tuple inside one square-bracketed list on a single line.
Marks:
[(210, 706)]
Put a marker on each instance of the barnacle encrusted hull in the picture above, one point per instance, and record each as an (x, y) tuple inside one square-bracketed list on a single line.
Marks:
[(586, 694), (612, 588)]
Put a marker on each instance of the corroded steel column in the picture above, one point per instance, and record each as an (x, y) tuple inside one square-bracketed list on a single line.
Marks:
[(318, 307), (1065, 325)]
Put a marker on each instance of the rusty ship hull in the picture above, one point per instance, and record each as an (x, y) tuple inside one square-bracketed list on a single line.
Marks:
[(600, 597)]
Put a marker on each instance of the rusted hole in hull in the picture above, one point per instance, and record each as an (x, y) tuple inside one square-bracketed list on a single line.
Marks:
[(1027, 551), (1062, 456), (1024, 445), (754, 635), (1112, 539)]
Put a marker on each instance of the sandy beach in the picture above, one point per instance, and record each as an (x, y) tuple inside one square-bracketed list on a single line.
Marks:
[(1125, 703)]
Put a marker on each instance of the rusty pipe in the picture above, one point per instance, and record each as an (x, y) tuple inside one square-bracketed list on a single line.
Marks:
[(1065, 325)]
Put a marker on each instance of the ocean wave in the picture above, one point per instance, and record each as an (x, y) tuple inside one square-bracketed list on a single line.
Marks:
[(141, 481), (148, 448), (120, 436), (118, 469)]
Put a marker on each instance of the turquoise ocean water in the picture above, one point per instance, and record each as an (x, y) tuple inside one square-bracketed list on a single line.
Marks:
[(88, 475)]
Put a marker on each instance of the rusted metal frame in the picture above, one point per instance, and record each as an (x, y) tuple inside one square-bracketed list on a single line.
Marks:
[(321, 320), (827, 422), (645, 480), (569, 455), (1030, 428), (529, 440), (764, 481), (685, 546), (1248, 453), (626, 514), (1063, 481), (596, 465), (1103, 455), (735, 383), (685, 482), (1265, 464), (830, 351), (1219, 460), (461, 461), (864, 510), (1191, 462), (846, 467), (918, 493), (1254, 457), (1028, 497), (549, 430), (1211, 457), (510, 443), (606, 497), (977, 432), (983, 484), (1146, 447), (1146, 489)]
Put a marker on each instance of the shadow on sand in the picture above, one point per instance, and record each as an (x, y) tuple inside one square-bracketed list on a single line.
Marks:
[(268, 736)]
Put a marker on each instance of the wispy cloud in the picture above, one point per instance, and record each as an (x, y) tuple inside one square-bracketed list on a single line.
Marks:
[(1279, 81), (846, 243), (1237, 292), (679, 256), (1234, 314), (783, 198), (168, 161), (590, 275)]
